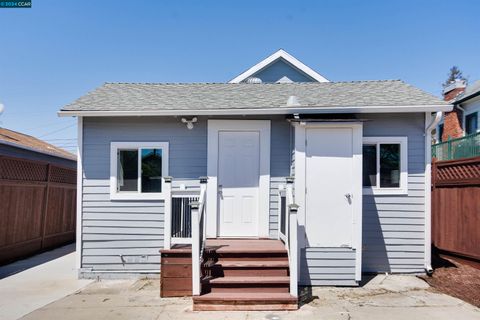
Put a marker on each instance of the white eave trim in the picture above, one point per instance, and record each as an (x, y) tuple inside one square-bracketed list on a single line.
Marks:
[(280, 54), (263, 111)]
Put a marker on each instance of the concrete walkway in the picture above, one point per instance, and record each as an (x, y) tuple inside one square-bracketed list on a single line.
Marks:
[(384, 297), (32, 283)]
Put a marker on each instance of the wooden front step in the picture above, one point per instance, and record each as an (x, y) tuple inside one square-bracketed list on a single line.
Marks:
[(249, 284), (239, 268), (249, 301), (245, 275)]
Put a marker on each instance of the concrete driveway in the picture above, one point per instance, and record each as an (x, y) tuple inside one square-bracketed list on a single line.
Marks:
[(29, 284), (384, 297)]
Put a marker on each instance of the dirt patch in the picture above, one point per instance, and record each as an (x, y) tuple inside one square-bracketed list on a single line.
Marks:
[(455, 278)]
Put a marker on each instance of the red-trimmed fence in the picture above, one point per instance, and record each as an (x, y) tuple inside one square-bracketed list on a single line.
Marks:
[(37, 207), (456, 206)]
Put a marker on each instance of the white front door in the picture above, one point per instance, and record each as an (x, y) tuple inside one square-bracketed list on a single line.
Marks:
[(238, 183), (330, 184)]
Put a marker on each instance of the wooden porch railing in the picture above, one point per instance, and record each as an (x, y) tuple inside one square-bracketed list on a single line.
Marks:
[(198, 236), (288, 231), (185, 223), (178, 215)]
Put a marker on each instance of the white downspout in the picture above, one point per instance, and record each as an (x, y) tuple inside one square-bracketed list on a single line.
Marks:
[(429, 125)]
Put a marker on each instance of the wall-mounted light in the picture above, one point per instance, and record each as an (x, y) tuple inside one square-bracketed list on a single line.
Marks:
[(189, 122)]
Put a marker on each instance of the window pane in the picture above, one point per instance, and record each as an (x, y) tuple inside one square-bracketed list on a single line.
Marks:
[(127, 170), (471, 123), (390, 165), (440, 132), (369, 166), (151, 170)]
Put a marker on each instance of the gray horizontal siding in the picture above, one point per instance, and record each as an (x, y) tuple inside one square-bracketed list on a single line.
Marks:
[(127, 235), (120, 235), (394, 225), (274, 205), (327, 266)]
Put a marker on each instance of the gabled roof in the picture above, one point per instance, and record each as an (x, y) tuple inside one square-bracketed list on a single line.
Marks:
[(280, 54), (136, 99), (23, 141)]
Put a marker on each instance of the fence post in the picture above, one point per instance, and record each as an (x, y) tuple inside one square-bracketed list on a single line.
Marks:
[(167, 236), (45, 207), (195, 248)]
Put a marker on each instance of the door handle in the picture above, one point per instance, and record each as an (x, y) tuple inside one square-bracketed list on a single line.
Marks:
[(349, 197), (220, 191)]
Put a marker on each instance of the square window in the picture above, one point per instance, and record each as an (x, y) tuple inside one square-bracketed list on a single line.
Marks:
[(385, 165), (137, 170)]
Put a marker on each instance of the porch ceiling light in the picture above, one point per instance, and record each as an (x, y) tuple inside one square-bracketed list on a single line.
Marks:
[(189, 122)]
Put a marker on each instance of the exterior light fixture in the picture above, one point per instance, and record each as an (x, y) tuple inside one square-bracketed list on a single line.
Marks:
[(189, 122)]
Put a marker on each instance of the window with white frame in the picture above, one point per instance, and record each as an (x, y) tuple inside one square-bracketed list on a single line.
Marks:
[(385, 165), (137, 170)]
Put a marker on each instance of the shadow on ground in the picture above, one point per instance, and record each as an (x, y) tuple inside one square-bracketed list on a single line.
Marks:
[(25, 264)]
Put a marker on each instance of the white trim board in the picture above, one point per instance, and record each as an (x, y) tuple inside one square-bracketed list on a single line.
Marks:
[(403, 142), (262, 126), (300, 183), (280, 54), (136, 195), (78, 244), (261, 111)]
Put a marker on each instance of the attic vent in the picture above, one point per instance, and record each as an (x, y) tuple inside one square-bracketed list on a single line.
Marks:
[(253, 80), (293, 101)]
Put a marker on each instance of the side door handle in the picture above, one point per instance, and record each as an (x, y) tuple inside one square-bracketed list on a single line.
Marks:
[(349, 197)]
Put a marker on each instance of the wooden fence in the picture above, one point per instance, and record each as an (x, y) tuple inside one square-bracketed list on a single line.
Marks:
[(456, 206), (37, 207)]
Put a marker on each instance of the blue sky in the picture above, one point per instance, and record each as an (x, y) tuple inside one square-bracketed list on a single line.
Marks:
[(58, 50)]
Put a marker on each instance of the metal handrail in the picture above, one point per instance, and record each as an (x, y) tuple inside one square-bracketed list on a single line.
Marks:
[(459, 148)]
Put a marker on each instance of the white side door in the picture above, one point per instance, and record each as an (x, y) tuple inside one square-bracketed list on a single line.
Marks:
[(238, 183), (330, 183)]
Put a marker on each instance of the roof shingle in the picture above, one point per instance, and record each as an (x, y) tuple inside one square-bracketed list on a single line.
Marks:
[(221, 96), (21, 140)]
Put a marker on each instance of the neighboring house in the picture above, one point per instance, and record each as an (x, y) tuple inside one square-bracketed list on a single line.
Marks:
[(464, 119), (358, 152), (37, 188), (23, 146)]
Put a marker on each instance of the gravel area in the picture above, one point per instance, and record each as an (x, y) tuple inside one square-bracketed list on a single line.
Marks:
[(455, 278)]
